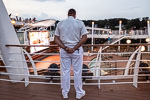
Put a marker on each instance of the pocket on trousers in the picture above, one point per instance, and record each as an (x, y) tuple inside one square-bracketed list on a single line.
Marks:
[(78, 52)]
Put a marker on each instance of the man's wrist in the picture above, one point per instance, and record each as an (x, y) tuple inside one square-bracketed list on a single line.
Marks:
[(65, 47), (73, 49)]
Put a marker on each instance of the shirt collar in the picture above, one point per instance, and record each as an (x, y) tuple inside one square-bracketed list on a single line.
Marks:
[(71, 17)]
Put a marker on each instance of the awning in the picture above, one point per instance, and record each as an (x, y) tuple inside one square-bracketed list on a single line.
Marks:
[(44, 23)]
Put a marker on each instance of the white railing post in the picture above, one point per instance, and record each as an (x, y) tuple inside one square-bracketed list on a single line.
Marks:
[(120, 29), (148, 29), (97, 58), (26, 77), (99, 68), (136, 68), (92, 35), (129, 62), (32, 62), (125, 32), (26, 73)]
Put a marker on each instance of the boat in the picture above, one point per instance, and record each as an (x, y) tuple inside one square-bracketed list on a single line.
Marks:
[(110, 67)]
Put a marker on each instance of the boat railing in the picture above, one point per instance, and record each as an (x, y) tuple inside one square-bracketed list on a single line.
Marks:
[(123, 32), (125, 71)]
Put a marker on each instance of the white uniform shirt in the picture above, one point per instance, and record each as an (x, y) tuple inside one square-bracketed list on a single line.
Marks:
[(70, 31)]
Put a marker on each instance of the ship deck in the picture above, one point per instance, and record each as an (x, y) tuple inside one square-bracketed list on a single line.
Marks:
[(17, 91)]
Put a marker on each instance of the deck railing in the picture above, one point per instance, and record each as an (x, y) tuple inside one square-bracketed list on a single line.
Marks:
[(126, 70)]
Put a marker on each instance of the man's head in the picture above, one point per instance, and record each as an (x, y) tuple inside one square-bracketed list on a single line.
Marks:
[(72, 12)]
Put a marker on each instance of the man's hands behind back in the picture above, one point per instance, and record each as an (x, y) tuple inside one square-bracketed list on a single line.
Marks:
[(69, 50)]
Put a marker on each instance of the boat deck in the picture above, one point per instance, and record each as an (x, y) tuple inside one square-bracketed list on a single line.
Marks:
[(17, 91)]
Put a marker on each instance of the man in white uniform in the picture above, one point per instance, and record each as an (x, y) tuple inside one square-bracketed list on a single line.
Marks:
[(70, 34)]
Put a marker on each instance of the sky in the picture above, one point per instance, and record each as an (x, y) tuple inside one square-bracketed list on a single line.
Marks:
[(86, 9)]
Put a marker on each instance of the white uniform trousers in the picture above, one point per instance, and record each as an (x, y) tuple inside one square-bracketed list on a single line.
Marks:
[(76, 60)]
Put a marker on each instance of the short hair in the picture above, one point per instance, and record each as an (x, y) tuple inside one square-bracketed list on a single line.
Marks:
[(72, 12)]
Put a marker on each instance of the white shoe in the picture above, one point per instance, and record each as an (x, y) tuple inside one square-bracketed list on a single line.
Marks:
[(79, 96), (65, 95)]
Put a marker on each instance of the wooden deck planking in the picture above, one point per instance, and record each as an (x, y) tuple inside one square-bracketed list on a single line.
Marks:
[(17, 91)]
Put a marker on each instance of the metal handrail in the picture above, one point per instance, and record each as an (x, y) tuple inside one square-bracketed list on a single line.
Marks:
[(72, 69), (98, 78), (86, 45)]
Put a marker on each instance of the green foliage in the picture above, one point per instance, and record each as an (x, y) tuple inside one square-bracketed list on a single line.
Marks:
[(114, 23)]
